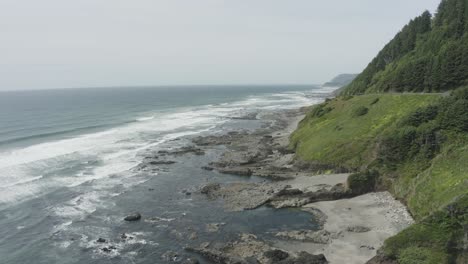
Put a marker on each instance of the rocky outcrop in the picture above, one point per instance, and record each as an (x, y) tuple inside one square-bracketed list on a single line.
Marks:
[(249, 249), (133, 217), (298, 198), (318, 237), (242, 196)]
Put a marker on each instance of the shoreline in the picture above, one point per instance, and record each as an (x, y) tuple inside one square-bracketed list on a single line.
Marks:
[(353, 227)]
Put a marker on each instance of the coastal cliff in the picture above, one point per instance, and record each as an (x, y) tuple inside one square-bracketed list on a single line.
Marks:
[(414, 145)]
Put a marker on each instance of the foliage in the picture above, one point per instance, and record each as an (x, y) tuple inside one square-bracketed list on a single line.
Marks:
[(427, 55), (420, 116), (376, 100), (416, 145), (362, 182), (421, 255), (420, 134), (321, 110), (360, 111), (339, 139), (435, 239)]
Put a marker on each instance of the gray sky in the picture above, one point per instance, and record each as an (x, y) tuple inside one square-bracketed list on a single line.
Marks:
[(89, 43)]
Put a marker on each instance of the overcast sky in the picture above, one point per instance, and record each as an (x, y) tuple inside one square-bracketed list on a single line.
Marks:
[(93, 43)]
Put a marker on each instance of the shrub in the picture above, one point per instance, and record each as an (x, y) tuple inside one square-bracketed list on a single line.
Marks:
[(460, 93), (360, 111), (396, 146), (455, 117), (347, 97), (434, 238), (321, 110), (418, 255), (417, 235), (428, 140), (362, 182), (420, 116)]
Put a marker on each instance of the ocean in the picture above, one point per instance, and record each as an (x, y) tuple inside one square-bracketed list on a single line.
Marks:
[(67, 176)]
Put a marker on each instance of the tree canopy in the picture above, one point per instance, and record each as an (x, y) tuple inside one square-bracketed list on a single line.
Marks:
[(430, 54)]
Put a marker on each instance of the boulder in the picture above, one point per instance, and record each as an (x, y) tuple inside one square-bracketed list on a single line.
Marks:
[(276, 255), (133, 217), (209, 188), (358, 229)]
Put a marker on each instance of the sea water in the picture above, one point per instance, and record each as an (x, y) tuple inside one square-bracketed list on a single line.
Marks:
[(68, 177)]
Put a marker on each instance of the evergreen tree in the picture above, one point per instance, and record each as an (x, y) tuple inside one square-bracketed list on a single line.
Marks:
[(426, 55)]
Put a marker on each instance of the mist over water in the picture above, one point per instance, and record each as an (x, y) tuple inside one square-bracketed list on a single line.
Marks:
[(67, 160)]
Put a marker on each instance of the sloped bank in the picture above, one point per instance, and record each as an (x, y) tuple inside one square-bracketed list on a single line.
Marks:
[(415, 146)]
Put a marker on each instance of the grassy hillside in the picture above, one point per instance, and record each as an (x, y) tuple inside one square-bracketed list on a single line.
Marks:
[(333, 133), (414, 145), (417, 146)]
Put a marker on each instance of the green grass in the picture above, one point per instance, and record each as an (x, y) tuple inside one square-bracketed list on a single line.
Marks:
[(340, 137), (446, 178), (435, 239), (417, 154)]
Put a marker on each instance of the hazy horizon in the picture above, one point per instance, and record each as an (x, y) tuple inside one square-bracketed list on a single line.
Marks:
[(55, 44)]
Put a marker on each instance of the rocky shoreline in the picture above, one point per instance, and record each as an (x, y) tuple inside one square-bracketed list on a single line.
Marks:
[(351, 226)]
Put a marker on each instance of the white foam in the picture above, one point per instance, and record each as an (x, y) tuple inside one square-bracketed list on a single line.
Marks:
[(145, 118), (71, 162)]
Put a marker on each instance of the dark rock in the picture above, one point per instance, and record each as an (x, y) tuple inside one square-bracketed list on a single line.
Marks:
[(108, 249), (240, 171), (276, 255), (208, 168), (215, 256), (209, 188), (188, 149), (368, 247), (304, 258), (170, 256), (186, 192), (161, 162), (287, 192), (358, 229), (133, 217), (101, 240)]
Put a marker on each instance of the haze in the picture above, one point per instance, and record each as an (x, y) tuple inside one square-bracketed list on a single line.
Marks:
[(93, 43)]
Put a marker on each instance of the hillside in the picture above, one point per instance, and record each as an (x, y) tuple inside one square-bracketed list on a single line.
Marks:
[(414, 145), (340, 80), (427, 55)]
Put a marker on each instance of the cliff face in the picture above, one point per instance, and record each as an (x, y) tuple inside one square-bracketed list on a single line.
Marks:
[(427, 55)]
